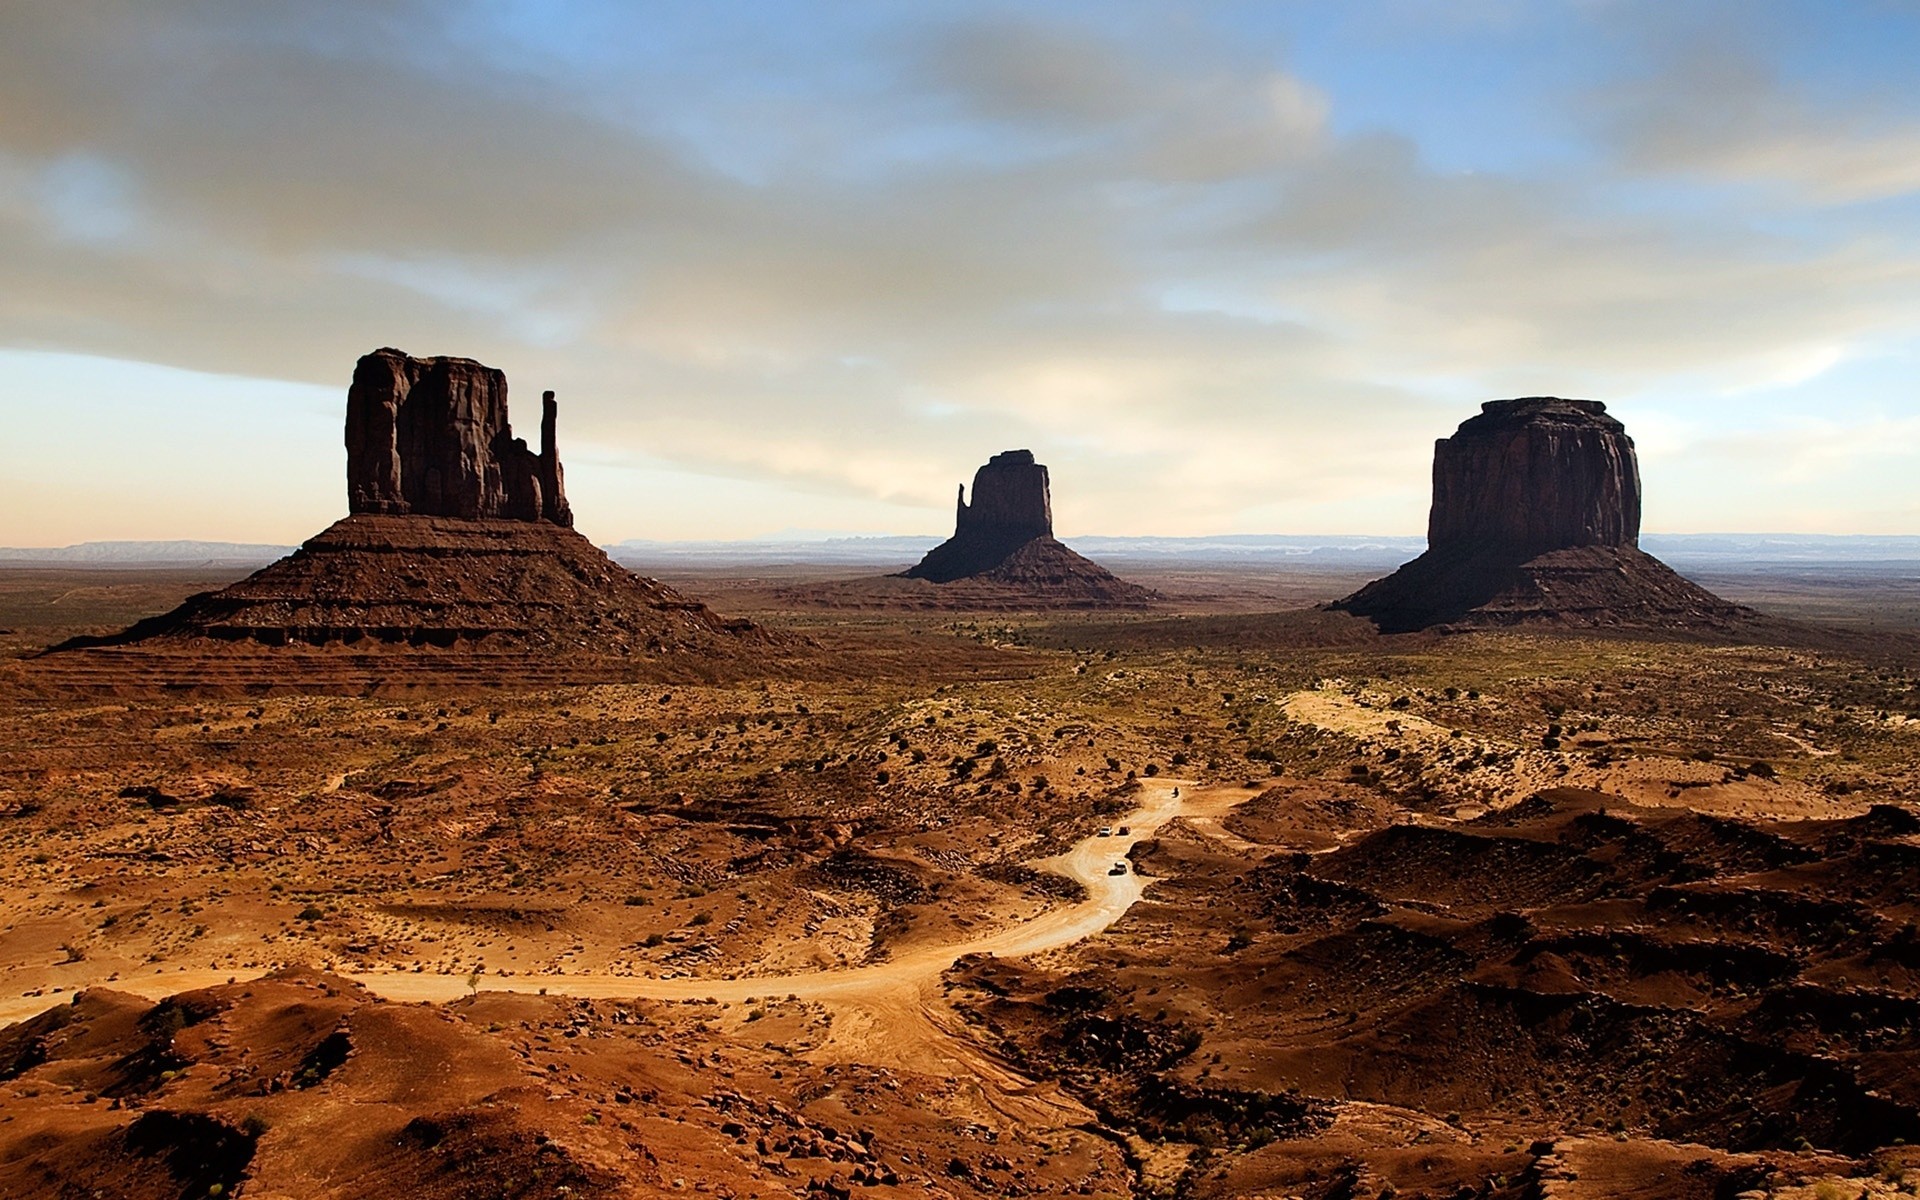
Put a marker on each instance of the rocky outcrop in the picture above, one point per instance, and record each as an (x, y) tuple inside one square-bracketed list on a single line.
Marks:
[(1004, 540), (459, 540), (1536, 520), (1011, 498), (1012, 505), (430, 437), (1532, 475)]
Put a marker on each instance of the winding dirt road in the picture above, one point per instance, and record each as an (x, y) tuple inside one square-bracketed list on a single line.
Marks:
[(892, 1014), (880, 990)]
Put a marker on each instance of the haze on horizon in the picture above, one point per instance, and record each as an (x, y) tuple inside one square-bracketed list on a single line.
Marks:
[(1225, 267)]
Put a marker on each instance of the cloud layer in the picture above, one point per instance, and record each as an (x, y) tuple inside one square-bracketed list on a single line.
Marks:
[(837, 257)]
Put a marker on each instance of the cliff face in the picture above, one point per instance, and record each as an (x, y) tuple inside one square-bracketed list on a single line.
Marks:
[(1012, 506), (429, 437), (1011, 499), (1536, 520), (1533, 475)]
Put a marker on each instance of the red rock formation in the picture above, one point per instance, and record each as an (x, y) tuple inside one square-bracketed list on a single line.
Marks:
[(429, 437), (1536, 520), (460, 538), (371, 579), (1534, 475), (1011, 498), (1005, 538)]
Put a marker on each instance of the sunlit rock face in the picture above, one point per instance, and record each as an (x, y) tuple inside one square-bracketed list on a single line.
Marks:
[(429, 437)]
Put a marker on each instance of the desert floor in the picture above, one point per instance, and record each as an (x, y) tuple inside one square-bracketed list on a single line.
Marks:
[(1490, 914)]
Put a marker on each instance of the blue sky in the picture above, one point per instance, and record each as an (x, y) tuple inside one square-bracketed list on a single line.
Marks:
[(1225, 267)]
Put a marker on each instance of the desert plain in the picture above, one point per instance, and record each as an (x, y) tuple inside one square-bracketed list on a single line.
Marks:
[(909, 904)]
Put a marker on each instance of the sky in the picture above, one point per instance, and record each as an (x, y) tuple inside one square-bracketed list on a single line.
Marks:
[(1225, 267)]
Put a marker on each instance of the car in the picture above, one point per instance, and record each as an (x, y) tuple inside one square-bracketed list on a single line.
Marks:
[(1124, 831), (1106, 831), (1118, 868)]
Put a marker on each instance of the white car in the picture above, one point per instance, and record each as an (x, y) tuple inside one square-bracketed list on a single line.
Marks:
[(1118, 868)]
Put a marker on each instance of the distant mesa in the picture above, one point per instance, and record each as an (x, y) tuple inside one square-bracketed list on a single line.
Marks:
[(1002, 557), (1536, 520), (1005, 538), (459, 538)]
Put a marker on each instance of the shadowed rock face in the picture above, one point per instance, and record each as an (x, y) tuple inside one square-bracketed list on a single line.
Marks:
[(459, 537), (429, 437), (1004, 539), (1533, 475), (1012, 506), (1011, 498), (1536, 520)]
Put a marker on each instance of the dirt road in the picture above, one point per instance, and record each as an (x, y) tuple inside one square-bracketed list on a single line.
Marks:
[(883, 986)]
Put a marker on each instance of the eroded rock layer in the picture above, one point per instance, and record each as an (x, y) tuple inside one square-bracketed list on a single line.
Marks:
[(371, 580)]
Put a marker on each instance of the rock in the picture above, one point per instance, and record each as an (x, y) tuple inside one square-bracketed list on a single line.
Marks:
[(1012, 506), (1004, 539), (1011, 498), (429, 437), (1533, 475), (459, 538), (507, 587), (1536, 520)]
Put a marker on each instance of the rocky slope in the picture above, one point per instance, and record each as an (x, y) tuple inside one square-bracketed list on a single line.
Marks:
[(434, 581)]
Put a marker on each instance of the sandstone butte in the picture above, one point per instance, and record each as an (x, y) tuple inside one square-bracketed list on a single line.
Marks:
[(1005, 538), (429, 437), (1536, 521), (459, 538)]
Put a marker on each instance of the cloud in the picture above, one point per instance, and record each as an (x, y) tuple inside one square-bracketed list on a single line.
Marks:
[(1150, 113), (891, 247), (1716, 111)]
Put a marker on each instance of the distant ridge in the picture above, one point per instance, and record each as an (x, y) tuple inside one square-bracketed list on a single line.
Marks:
[(146, 553), (1703, 549)]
